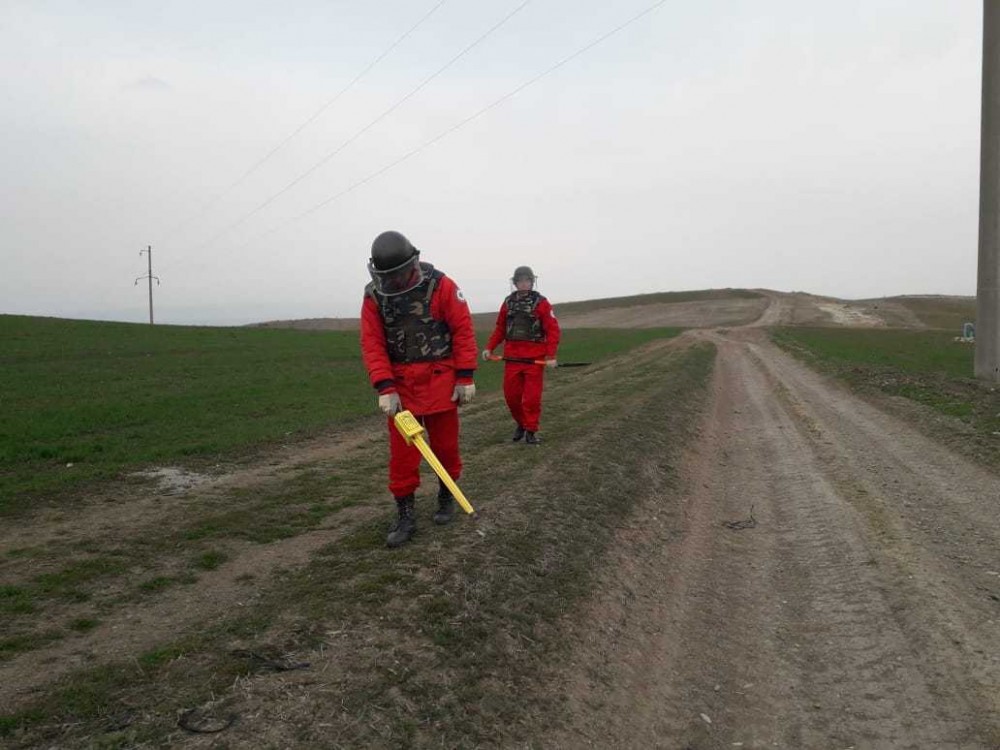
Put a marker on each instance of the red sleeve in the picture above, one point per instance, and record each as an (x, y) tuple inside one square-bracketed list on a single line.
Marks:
[(373, 349), (500, 330), (550, 326), (454, 310)]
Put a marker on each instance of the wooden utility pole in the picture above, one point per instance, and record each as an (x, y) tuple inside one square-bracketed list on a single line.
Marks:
[(988, 285), (149, 256)]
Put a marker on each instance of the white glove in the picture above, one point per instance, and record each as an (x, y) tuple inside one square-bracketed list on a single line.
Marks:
[(463, 394), (390, 403), (486, 355), (551, 363)]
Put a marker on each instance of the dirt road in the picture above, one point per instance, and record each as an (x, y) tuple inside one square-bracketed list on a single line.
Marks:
[(862, 610)]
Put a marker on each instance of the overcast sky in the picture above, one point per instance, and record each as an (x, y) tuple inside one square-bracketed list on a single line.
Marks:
[(828, 147)]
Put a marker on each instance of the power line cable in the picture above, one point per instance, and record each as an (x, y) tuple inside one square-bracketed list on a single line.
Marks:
[(215, 199), (367, 127), (457, 126)]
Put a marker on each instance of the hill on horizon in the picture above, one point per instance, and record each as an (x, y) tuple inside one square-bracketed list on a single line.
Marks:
[(712, 308)]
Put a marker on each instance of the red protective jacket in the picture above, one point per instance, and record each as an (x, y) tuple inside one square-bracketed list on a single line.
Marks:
[(528, 349), (423, 387)]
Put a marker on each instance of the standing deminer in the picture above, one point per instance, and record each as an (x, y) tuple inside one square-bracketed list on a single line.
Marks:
[(419, 348), (528, 328)]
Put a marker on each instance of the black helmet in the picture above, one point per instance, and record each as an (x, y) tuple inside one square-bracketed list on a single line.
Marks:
[(394, 265), (523, 272)]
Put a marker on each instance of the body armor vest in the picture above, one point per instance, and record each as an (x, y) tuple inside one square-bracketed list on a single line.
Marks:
[(411, 334), (522, 323)]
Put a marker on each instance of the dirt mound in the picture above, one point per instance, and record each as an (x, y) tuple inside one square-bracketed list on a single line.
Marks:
[(701, 314), (938, 311)]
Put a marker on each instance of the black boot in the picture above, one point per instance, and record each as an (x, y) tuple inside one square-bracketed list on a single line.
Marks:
[(406, 524), (446, 506), (518, 434), (531, 438)]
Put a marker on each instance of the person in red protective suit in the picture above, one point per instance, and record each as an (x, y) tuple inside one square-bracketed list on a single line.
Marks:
[(419, 348), (528, 328)]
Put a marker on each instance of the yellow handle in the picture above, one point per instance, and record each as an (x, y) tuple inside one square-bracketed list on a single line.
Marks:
[(408, 425), (412, 431)]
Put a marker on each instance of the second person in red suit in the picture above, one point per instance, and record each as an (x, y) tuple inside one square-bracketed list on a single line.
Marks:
[(529, 331)]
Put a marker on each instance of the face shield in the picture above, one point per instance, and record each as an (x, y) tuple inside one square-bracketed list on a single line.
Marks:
[(523, 282), (397, 280)]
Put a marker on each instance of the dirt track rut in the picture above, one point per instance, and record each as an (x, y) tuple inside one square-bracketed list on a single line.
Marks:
[(863, 609)]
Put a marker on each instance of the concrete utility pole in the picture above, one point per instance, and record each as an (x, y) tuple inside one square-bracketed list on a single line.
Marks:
[(988, 286), (149, 275)]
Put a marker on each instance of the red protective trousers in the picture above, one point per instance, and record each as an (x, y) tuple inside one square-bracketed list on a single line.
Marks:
[(522, 388), (441, 432)]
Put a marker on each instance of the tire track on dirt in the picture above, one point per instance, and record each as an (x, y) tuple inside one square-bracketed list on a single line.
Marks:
[(934, 521), (806, 631)]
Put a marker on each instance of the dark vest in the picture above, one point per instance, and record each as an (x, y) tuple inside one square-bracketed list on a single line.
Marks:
[(411, 334), (522, 323)]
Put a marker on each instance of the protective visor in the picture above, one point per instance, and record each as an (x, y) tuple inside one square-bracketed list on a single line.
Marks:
[(523, 277), (398, 280)]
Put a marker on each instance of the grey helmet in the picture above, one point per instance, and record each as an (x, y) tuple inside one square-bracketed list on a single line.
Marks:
[(521, 273), (394, 265)]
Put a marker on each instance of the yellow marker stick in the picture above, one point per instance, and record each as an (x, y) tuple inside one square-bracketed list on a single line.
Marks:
[(413, 432)]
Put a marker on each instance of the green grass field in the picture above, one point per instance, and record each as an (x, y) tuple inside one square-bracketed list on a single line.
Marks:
[(928, 367), (84, 401)]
